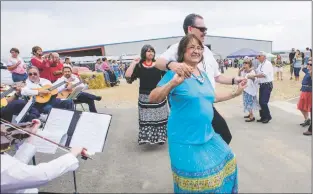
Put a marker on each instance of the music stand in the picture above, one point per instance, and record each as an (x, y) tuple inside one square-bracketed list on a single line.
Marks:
[(75, 93), (76, 131)]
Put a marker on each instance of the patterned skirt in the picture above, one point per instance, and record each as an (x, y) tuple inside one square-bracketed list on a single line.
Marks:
[(250, 103), (152, 121), (204, 168)]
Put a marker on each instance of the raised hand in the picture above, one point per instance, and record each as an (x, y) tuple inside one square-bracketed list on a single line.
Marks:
[(177, 79), (181, 69)]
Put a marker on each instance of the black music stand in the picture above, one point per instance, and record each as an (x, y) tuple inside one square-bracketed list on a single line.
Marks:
[(70, 133)]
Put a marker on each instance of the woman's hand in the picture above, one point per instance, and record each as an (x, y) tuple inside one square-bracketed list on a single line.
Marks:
[(137, 60), (177, 79), (241, 86), (181, 69)]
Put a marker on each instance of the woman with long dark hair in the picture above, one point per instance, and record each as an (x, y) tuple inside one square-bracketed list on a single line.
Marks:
[(201, 160), (152, 116)]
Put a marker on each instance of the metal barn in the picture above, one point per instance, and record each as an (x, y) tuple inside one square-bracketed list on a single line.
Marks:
[(220, 45)]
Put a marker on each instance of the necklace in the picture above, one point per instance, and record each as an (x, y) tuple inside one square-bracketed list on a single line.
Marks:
[(147, 64), (201, 79)]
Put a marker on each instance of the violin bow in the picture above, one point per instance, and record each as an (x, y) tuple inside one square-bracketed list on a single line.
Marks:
[(85, 154)]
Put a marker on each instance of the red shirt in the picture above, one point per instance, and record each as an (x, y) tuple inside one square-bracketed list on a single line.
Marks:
[(42, 66), (46, 70), (58, 67)]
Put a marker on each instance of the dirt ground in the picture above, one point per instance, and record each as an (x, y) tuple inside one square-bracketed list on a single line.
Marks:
[(125, 95)]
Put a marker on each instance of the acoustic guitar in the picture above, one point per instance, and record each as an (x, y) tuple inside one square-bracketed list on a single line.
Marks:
[(44, 98), (7, 92), (65, 93)]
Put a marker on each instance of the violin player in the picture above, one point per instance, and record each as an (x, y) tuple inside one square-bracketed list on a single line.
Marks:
[(34, 82), (83, 97), (19, 177)]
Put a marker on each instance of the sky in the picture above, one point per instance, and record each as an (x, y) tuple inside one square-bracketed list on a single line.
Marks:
[(60, 24)]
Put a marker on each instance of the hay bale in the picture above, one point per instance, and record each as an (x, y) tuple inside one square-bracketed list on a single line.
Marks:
[(97, 83)]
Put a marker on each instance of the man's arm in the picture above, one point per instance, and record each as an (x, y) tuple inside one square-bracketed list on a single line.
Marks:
[(228, 80), (160, 64), (29, 92), (220, 97)]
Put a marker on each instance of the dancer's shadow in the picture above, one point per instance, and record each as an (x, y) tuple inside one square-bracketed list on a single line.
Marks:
[(152, 147)]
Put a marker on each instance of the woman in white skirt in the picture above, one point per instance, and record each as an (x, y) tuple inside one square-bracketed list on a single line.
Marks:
[(250, 101), (279, 68)]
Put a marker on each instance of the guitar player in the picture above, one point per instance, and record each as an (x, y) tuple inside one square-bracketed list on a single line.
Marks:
[(34, 82), (15, 106), (83, 97)]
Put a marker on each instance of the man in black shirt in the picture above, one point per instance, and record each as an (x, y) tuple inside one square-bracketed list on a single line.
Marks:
[(291, 56)]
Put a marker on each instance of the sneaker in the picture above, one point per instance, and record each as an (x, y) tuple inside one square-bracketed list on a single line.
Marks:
[(306, 123), (98, 98), (307, 133)]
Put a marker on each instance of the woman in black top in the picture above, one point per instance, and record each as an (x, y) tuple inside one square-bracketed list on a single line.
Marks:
[(152, 116)]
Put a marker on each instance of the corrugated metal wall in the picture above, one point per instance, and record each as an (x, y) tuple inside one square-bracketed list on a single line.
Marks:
[(226, 46), (160, 45), (220, 45)]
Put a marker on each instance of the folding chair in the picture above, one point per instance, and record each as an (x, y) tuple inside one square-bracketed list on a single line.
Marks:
[(73, 96)]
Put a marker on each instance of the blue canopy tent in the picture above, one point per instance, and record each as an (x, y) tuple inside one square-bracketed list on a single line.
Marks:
[(244, 52)]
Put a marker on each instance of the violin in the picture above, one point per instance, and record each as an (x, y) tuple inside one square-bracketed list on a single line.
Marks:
[(12, 134)]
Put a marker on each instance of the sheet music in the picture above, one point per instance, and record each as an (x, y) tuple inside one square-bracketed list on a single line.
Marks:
[(21, 115), (91, 131), (44, 146), (59, 120)]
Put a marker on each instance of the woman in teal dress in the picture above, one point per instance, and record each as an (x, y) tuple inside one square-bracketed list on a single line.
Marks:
[(201, 161)]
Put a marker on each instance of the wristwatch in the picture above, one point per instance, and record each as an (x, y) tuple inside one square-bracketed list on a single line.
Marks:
[(167, 65), (233, 81)]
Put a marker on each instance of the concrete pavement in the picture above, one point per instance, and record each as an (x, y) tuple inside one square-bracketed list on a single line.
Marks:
[(272, 157)]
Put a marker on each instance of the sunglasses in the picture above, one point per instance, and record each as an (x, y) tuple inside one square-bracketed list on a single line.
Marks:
[(32, 74), (202, 29)]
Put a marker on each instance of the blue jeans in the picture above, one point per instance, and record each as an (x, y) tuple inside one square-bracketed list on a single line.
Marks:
[(306, 60), (297, 71), (264, 97), (13, 108), (19, 77)]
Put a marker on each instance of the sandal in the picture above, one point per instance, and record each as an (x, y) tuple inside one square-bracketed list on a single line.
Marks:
[(250, 120)]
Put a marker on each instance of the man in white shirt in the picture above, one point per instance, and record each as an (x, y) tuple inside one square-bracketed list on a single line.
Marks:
[(194, 24), (17, 176), (265, 74), (83, 97), (33, 82)]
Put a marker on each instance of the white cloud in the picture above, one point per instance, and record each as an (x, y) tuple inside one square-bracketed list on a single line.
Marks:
[(56, 25)]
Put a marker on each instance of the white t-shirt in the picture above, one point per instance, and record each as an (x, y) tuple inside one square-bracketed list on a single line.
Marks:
[(307, 53), (208, 65), (252, 86), (265, 68)]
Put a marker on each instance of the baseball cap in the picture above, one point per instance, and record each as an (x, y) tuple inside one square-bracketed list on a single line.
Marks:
[(262, 53)]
